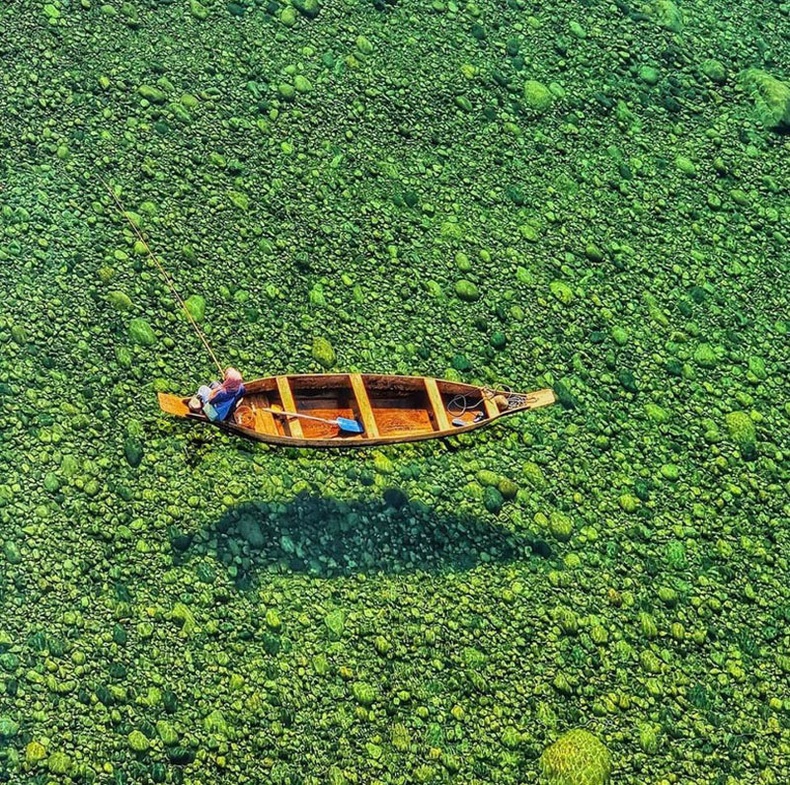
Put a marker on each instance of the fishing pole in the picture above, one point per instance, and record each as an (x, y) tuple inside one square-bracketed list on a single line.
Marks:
[(162, 270)]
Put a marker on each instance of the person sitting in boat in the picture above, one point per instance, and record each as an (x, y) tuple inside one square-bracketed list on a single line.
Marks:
[(217, 400)]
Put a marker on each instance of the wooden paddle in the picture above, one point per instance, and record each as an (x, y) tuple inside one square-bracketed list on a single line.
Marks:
[(344, 423)]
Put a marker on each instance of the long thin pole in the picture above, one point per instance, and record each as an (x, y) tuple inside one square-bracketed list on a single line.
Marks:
[(167, 278)]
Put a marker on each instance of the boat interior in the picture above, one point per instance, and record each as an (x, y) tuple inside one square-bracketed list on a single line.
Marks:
[(385, 406)]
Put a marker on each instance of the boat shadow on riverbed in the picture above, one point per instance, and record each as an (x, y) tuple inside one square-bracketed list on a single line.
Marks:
[(328, 537)]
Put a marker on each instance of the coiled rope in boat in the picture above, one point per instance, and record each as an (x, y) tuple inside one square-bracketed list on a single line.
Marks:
[(460, 404)]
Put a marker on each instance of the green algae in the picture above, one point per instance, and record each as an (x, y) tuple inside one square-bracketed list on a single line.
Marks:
[(530, 196)]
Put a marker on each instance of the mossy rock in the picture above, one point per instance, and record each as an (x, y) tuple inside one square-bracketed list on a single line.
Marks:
[(141, 332), (668, 15), (198, 10), (196, 305), (714, 70), (705, 355), (323, 352), (685, 165), (240, 200), (467, 291), (620, 335), (308, 8), (9, 727), (364, 693), (493, 500), (152, 94), (133, 451), (487, 478), (771, 98), (534, 475), (35, 751), (649, 737), (628, 502), (562, 292), (560, 526), (216, 724), (302, 84), (649, 75), (507, 488), (741, 429), (335, 622), (537, 96), (657, 413), (364, 45), (576, 758), (59, 763), (120, 301), (138, 741)]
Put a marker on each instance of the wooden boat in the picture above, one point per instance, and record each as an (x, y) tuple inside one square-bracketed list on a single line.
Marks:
[(389, 409)]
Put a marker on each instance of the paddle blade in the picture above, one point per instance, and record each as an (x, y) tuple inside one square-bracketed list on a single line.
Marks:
[(172, 404), (349, 426)]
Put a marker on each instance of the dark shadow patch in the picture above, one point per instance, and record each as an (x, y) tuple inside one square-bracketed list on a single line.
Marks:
[(328, 537)]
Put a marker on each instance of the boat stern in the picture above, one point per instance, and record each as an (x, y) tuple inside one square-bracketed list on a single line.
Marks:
[(172, 404)]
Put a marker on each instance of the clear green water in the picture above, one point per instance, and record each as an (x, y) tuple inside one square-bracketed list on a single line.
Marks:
[(584, 195)]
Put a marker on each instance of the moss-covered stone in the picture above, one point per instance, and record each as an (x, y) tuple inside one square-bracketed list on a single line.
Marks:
[(537, 96), (133, 451), (741, 429), (562, 292), (138, 741), (493, 500), (323, 352), (308, 8), (649, 75), (216, 724), (196, 305), (152, 94), (364, 693), (467, 291), (649, 737), (576, 758), (714, 70), (534, 475), (120, 301), (335, 622), (167, 733), (141, 332), (35, 751), (668, 15), (197, 9), (59, 763), (9, 727), (560, 526), (771, 97), (302, 84), (706, 356)]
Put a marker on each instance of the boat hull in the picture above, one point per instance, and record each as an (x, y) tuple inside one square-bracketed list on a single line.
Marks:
[(390, 409)]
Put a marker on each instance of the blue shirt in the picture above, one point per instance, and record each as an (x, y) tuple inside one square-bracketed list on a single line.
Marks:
[(224, 401)]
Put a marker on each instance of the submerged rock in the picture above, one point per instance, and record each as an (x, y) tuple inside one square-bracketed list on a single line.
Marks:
[(324, 352), (771, 98), (196, 305), (537, 96), (141, 333), (668, 15), (133, 451), (577, 758)]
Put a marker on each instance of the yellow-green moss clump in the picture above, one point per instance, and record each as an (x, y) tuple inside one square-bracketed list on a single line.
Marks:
[(577, 758), (771, 97)]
